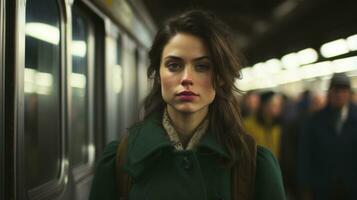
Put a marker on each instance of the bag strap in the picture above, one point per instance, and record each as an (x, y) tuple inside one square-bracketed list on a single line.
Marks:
[(123, 179), (243, 186)]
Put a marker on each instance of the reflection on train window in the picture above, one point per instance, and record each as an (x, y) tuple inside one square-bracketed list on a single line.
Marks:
[(79, 131), (118, 85), (42, 92)]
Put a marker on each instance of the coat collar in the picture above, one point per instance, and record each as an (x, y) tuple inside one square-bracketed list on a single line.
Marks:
[(149, 137), (210, 141), (146, 138)]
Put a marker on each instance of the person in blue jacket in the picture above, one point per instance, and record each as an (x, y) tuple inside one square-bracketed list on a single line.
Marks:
[(327, 162)]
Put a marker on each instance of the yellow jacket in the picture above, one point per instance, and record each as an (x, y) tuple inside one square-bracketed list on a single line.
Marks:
[(267, 137)]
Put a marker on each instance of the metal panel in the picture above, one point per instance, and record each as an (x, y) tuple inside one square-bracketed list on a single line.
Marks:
[(18, 116), (82, 171), (110, 74), (2, 79), (9, 24), (82, 174), (129, 82)]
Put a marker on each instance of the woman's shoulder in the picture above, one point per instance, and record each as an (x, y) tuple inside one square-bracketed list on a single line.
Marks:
[(104, 181), (269, 183), (110, 149), (265, 157)]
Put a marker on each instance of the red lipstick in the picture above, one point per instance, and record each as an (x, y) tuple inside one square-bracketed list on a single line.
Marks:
[(186, 96)]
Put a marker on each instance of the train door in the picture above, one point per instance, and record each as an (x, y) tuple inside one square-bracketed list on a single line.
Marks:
[(87, 92), (39, 100), (47, 157), (114, 83)]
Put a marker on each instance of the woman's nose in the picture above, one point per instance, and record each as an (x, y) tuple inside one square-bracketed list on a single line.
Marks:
[(187, 76)]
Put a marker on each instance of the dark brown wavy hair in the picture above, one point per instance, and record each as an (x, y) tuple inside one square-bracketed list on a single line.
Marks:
[(224, 113)]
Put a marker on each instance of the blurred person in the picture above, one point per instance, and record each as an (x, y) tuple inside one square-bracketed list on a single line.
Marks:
[(354, 97), (264, 125), (327, 167), (249, 104), (191, 143), (308, 103), (318, 101)]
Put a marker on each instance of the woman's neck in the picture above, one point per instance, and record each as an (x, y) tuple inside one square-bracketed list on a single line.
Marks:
[(186, 123)]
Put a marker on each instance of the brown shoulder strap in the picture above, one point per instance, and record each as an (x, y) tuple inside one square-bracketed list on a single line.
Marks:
[(123, 179), (243, 187)]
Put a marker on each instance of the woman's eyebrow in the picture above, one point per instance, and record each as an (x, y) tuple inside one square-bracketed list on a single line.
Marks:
[(202, 58), (172, 57), (179, 58)]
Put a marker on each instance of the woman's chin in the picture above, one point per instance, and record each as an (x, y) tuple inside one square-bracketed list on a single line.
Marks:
[(187, 108)]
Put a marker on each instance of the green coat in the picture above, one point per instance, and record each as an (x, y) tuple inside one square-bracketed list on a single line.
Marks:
[(161, 173)]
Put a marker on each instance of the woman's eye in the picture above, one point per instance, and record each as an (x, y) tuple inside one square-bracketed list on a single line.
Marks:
[(203, 67), (173, 66)]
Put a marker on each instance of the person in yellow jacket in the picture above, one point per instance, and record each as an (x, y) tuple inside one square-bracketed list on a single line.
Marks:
[(263, 126)]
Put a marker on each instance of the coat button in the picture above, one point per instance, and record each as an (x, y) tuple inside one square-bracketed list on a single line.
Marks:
[(186, 163)]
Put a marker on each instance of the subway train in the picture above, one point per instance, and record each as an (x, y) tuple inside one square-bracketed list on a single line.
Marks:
[(73, 77), (70, 71)]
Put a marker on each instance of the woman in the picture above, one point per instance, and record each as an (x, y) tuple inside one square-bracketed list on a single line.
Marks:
[(191, 144), (264, 126)]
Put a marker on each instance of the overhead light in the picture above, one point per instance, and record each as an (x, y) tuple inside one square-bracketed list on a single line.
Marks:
[(273, 65), (345, 64), (290, 61), (266, 83), (259, 66), (352, 42), (307, 56), (79, 48), (78, 80), (334, 48), (246, 73), (259, 69), (316, 70), (287, 76), (44, 32)]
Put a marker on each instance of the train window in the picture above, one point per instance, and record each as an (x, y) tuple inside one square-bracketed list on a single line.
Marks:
[(42, 92), (118, 85), (80, 97), (130, 82), (114, 86)]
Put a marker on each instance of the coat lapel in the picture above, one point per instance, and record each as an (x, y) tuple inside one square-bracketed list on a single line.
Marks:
[(148, 138)]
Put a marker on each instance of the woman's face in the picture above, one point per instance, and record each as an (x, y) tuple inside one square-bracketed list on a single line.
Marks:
[(186, 74)]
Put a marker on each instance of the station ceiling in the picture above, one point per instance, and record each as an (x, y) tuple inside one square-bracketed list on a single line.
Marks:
[(267, 29)]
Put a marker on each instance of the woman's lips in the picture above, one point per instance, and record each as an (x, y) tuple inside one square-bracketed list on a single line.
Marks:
[(186, 96)]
